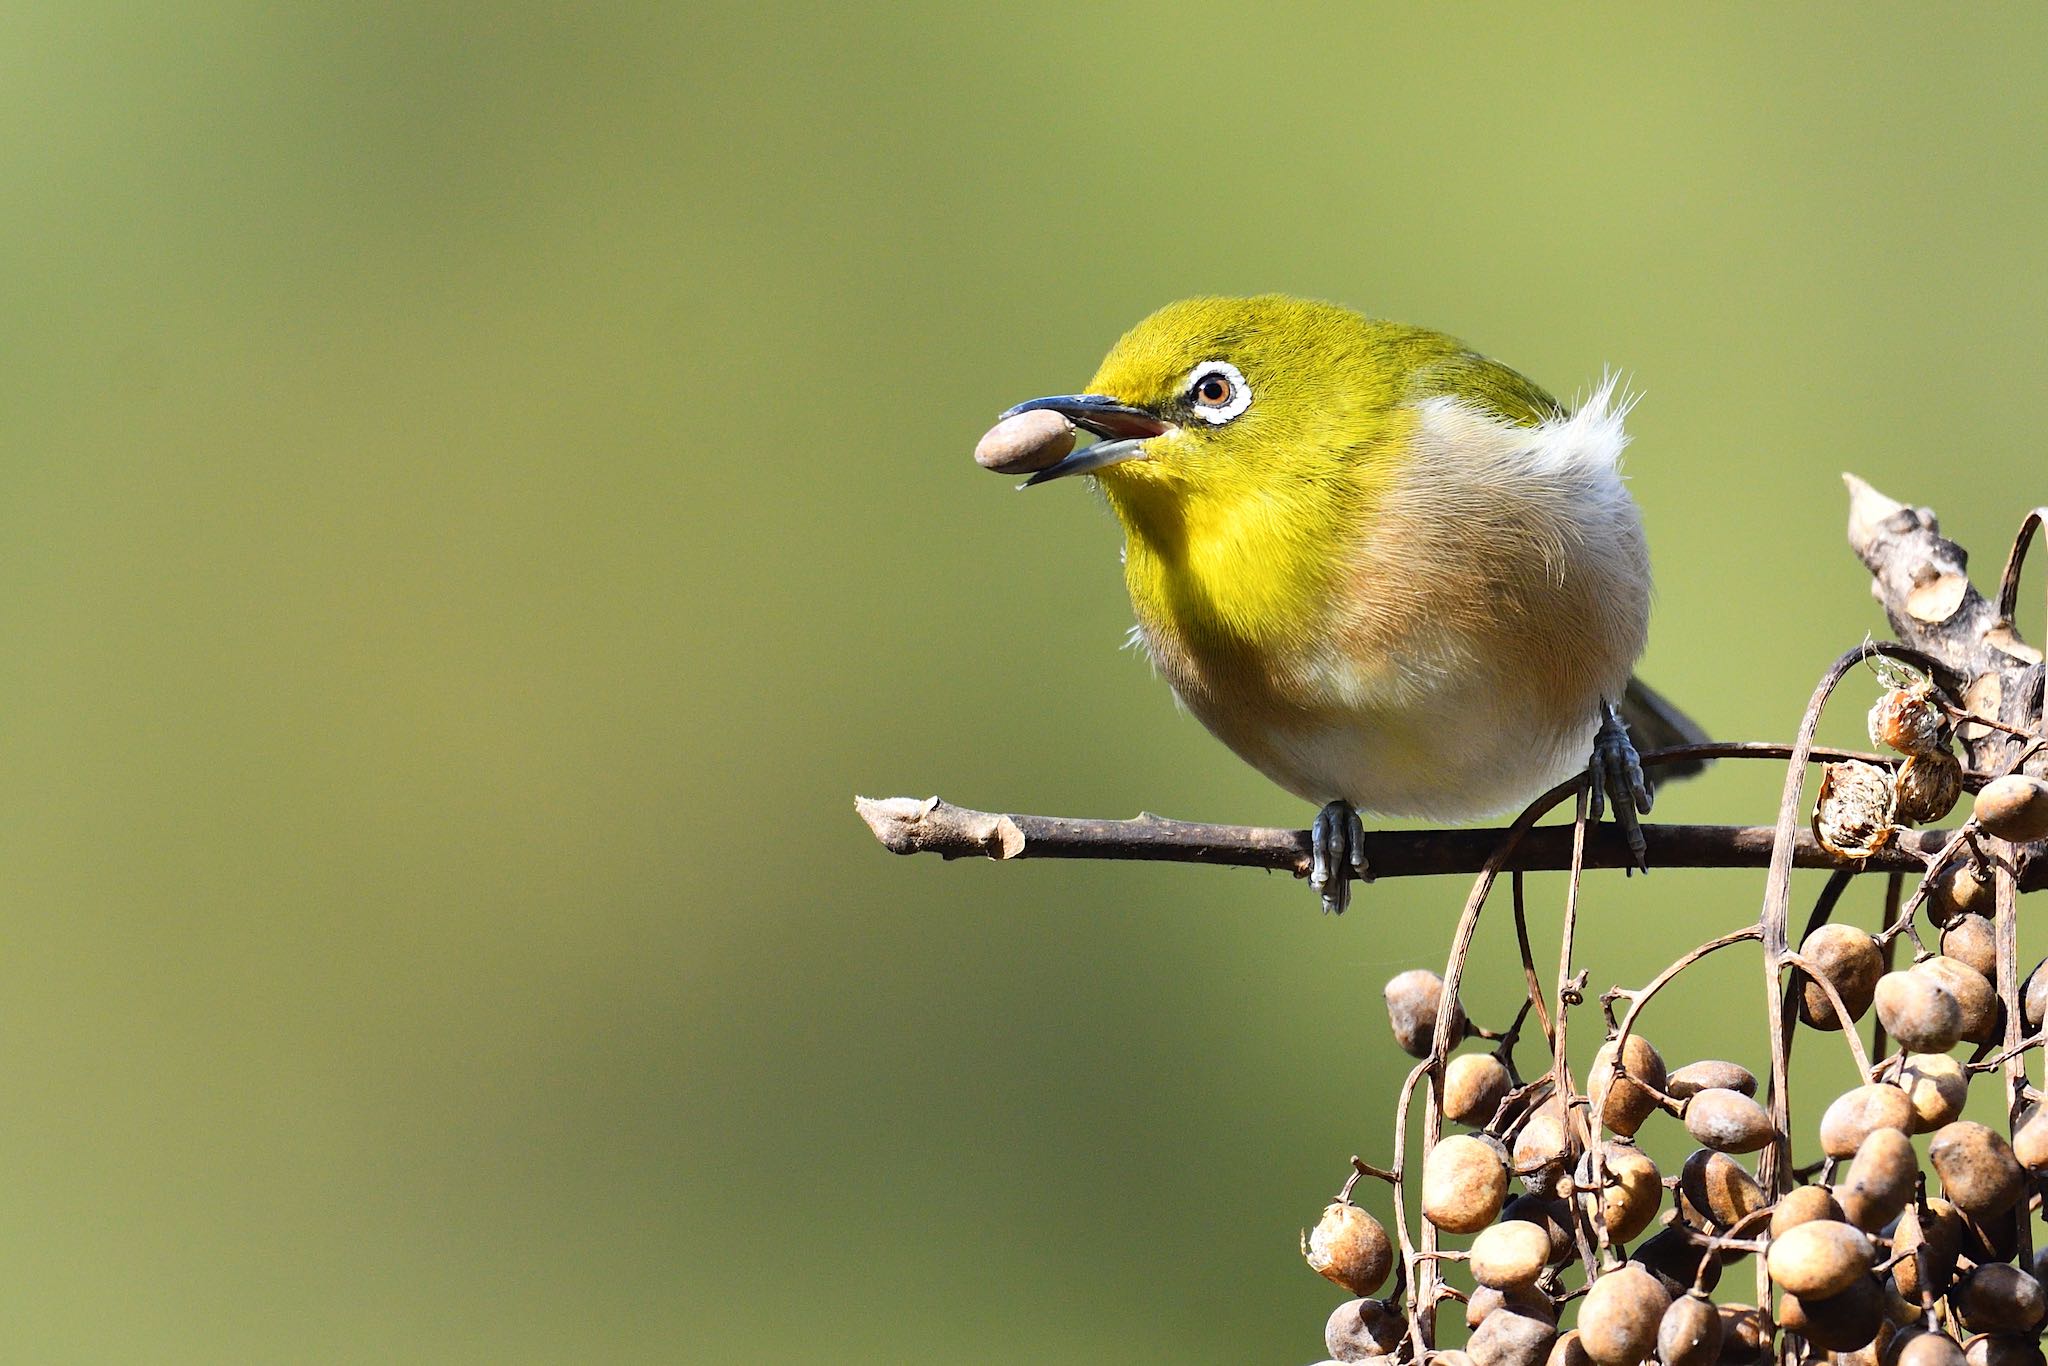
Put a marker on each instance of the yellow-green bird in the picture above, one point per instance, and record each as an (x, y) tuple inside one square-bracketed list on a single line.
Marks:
[(1393, 575)]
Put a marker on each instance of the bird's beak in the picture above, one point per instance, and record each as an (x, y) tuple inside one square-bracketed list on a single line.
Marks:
[(1122, 428)]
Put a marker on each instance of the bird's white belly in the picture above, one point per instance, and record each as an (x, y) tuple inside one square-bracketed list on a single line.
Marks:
[(1501, 597)]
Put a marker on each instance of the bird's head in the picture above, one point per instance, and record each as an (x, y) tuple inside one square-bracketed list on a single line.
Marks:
[(1224, 397)]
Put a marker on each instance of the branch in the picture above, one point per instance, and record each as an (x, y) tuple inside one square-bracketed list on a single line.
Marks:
[(910, 825)]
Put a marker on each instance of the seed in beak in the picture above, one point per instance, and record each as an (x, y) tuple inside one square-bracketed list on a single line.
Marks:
[(1025, 443)]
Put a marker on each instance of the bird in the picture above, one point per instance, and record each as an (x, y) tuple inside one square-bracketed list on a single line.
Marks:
[(1395, 576)]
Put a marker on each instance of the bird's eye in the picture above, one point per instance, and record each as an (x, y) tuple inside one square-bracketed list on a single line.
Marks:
[(1217, 392)]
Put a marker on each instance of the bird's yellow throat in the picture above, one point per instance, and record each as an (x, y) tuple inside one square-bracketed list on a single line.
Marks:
[(1239, 557)]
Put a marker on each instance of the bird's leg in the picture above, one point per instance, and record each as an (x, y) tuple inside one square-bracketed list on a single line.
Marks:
[(1336, 854), (1615, 769)]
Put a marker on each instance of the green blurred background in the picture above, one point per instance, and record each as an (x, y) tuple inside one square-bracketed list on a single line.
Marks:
[(483, 487)]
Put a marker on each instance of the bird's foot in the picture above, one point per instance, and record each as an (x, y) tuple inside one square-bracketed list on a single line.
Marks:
[(1615, 770), (1336, 855)]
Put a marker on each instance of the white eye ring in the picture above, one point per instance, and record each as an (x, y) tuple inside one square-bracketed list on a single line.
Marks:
[(1240, 393)]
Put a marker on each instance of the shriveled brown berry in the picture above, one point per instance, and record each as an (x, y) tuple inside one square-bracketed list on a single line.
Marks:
[(2030, 1143), (1924, 1348), (1998, 1298), (1937, 1085), (1674, 1259), (1960, 887), (1927, 787), (1978, 1171), (1619, 1320), (1970, 939), (1474, 1084), (1852, 1116), (2014, 808), (1719, 1188), (1851, 961), (1630, 1189), (1742, 1334), (1464, 1183), (1695, 1077), (2003, 1349), (2035, 995), (1940, 1234), (1027, 442), (1350, 1247), (1855, 813), (1568, 1351), (1909, 720), (1803, 1205), (1841, 1322), (1879, 1182), (1509, 1338), (1550, 1214), (1821, 1258), (1413, 999), (1508, 1256), (1917, 1010), (1689, 1334), (1527, 1300), (1451, 1358), (1620, 1103), (1727, 1121), (1975, 999), (1359, 1330), (1544, 1149)]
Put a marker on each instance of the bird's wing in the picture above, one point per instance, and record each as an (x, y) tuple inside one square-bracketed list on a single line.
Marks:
[(1487, 384)]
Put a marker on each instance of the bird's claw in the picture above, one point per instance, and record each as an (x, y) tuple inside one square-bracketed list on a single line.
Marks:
[(1616, 768), (1336, 855)]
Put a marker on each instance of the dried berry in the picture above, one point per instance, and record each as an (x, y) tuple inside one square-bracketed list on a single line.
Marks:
[(1851, 962), (1695, 1077), (1674, 1260), (1821, 1258), (1551, 1215), (1978, 1171), (2014, 808), (1727, 1121), (1350, 1247), (1742, 1335), (1975, 999), (1630, 1190), (1856, 1113), (2003, 1349), (1927, 787), (1361, 1329), (1689, 1334), (1803, 1205), (2035, 996), (1025, 443), (1937, 1085), (1543, 1149), (1997, 1298), (1619, 1320), (1910, 721), (1568, 1351), (1879, 1182), (1841, 1322), (1960, 887), (1924, 1348), (1856, 812), (1919, 1011), (1719, 1188), (1970, 939), (1474, 1084), (1464, 1183), (1622, 1104), (1527, 1300), (1509, 1338), (2030, 1143), (1941, 1235), (1509, 1255), (1413, 999)]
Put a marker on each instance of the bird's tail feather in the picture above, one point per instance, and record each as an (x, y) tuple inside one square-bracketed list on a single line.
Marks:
[(1653, 723)]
